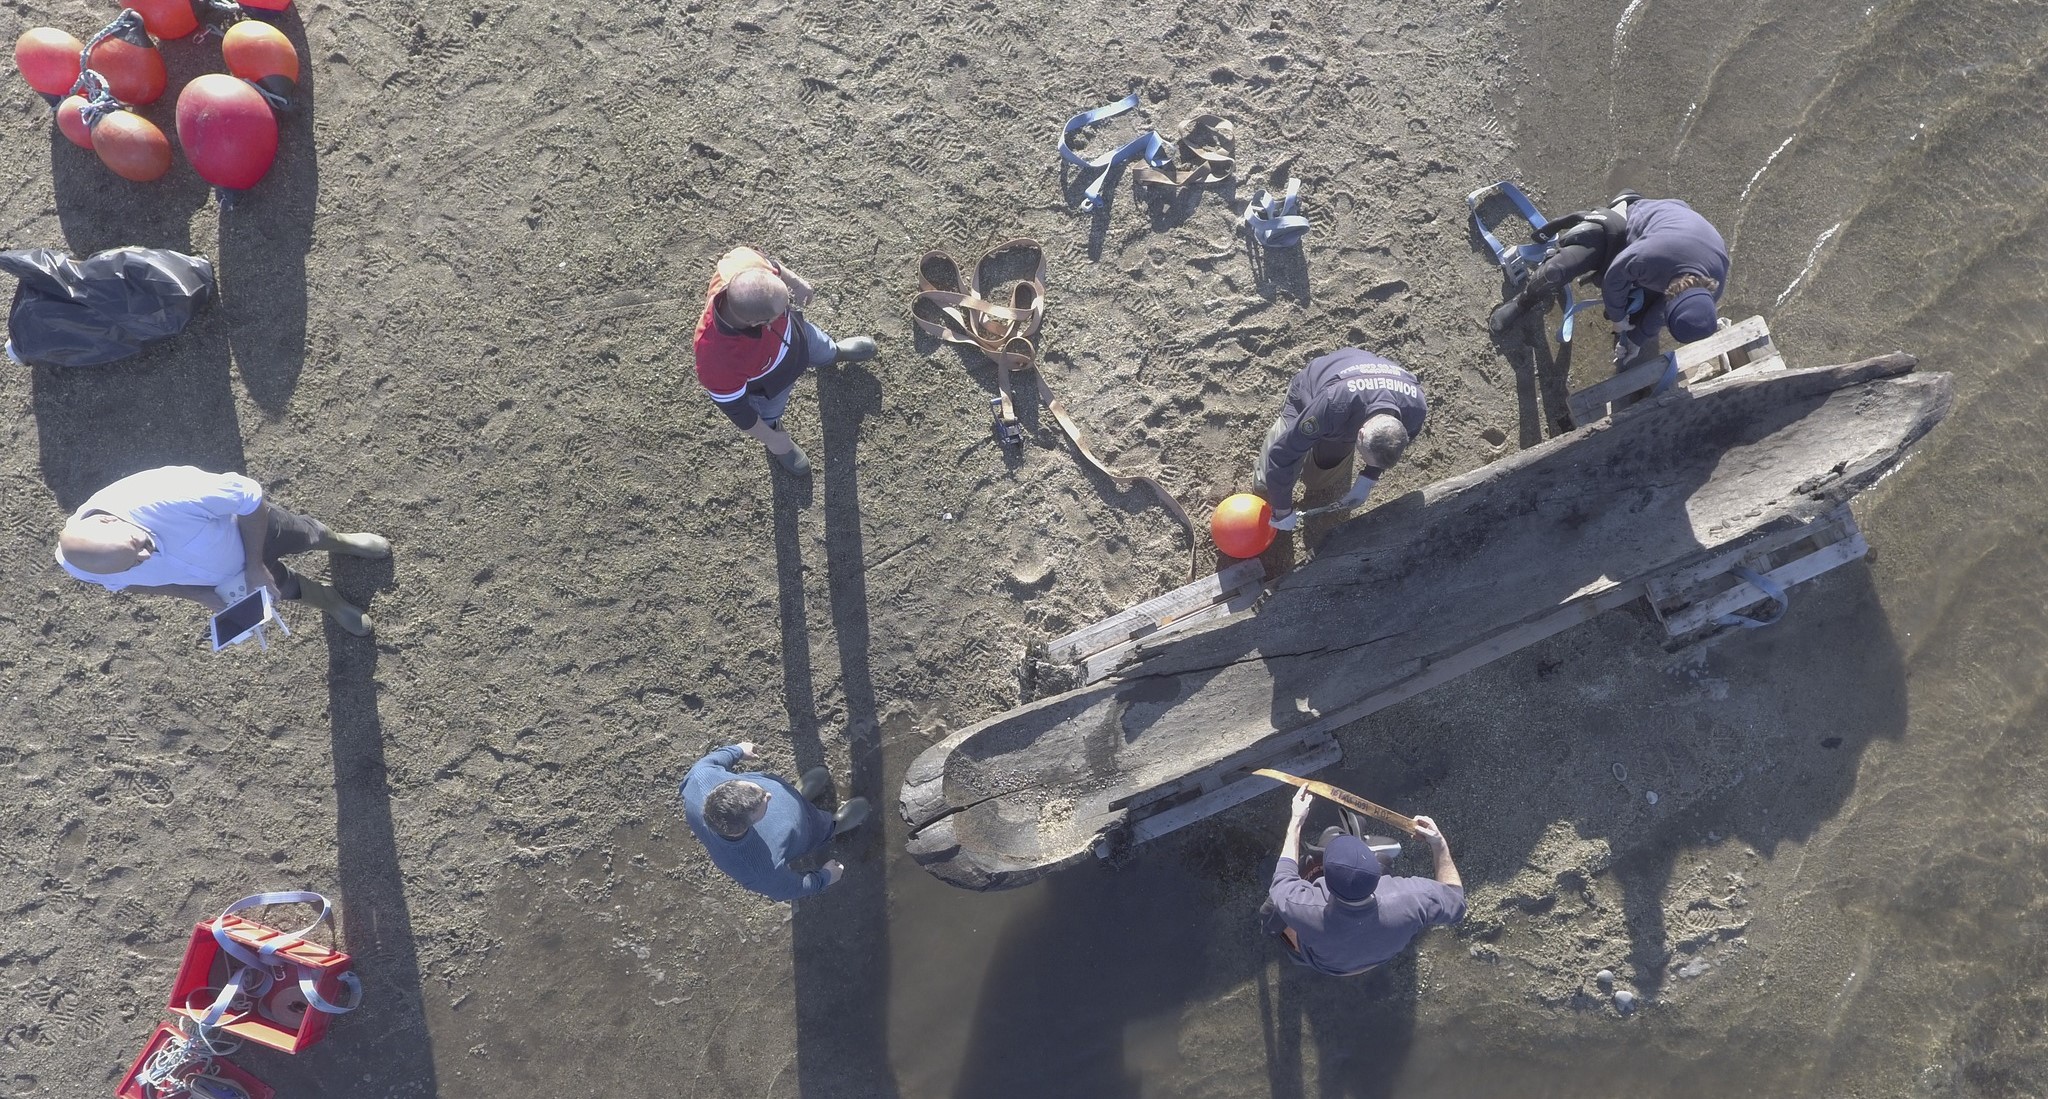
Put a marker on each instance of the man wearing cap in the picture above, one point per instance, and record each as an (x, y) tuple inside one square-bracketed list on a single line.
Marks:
[(752, 346), (180, 530), (1350, 399), (1356, 917), (1660, 265), (755, 824)]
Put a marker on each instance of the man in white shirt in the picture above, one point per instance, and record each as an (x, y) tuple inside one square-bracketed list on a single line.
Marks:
[(183, 531)]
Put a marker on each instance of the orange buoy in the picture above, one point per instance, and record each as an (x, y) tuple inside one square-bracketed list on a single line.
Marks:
[(254, 50), (128, 58), (132, 146), (1242, 525), (48, 59), (71, 120), (165, 18), (227, 129)]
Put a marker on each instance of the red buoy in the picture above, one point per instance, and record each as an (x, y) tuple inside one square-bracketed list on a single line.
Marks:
[(227, 130), (267, 5), (71, 120), (132, 146), (48, 59), (165, 18), (254, 50), (1242, 525), (128, 58)]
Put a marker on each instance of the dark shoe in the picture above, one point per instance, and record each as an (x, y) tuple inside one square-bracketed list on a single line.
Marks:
[(849, 816), (816, 783), (794, 460), (854, 349), (355, 545), (1507, 316)]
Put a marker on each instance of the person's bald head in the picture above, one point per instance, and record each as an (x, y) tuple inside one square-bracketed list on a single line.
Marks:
[(104, 544), (754, 297), (1382, 441)]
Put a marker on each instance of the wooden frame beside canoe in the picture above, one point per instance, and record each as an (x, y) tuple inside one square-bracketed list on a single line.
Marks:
[(1419, 590)]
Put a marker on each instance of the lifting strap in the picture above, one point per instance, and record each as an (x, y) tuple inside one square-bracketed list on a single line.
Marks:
[(1272, 218), (262, 967), (953, 307), (1204, 153), (1772, 590)]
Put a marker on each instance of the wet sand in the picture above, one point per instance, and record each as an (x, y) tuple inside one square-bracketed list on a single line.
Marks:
[(458, 313)]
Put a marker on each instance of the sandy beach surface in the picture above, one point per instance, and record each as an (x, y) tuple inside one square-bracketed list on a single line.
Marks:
[(458, 312)]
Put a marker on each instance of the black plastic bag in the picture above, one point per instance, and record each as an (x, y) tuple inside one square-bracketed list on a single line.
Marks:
[(101, 310)]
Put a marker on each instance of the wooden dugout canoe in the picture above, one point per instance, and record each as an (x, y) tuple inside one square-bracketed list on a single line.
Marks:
[(1422, 588)]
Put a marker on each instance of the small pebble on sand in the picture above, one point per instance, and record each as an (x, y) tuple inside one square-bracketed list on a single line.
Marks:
[(1650, 796), (1624, 1001), (1605, 977)]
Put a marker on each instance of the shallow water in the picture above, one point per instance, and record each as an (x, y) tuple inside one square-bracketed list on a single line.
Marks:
[(1879, 173)]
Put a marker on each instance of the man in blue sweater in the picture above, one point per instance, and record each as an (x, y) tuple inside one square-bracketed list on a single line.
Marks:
[(755, 824), (1355, 917)]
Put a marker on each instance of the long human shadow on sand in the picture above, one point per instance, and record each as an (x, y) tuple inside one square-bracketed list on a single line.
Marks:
[(1542, 380), (265, 235), (388, 1051), (839, 939)]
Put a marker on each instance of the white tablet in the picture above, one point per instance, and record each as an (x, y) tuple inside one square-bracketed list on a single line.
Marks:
[(242, 619)]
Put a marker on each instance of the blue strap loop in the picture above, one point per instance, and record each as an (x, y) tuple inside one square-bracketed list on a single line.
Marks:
[(1147, 145), (1520, 260), (261, 967), (1272, 219), (1772, 590)]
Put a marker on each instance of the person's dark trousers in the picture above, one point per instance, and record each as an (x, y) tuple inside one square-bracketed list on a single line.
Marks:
[(289, 532), (1562, 266)]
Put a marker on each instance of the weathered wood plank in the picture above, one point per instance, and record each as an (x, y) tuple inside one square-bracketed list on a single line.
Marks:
[(1323, 753), (1705, 613), (1696, 361), (1590, 403), (1675, 585), (1100, 664), (1153, 613), (1692, 356)]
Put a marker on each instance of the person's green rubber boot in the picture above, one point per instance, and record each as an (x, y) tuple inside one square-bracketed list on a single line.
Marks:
[(794, 460), (362, 544), (345, 614)]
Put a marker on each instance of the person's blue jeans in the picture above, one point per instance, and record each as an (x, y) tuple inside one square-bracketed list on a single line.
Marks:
[(818, 347)]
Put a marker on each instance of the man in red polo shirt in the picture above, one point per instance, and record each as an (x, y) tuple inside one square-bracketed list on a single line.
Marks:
[(752, 347)]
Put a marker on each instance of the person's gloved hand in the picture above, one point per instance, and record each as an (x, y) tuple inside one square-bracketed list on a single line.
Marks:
[(1286, 520), (1360, 489), (1625, 351)]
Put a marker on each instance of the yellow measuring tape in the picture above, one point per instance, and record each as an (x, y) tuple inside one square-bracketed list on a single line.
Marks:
[(1345, 798)]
